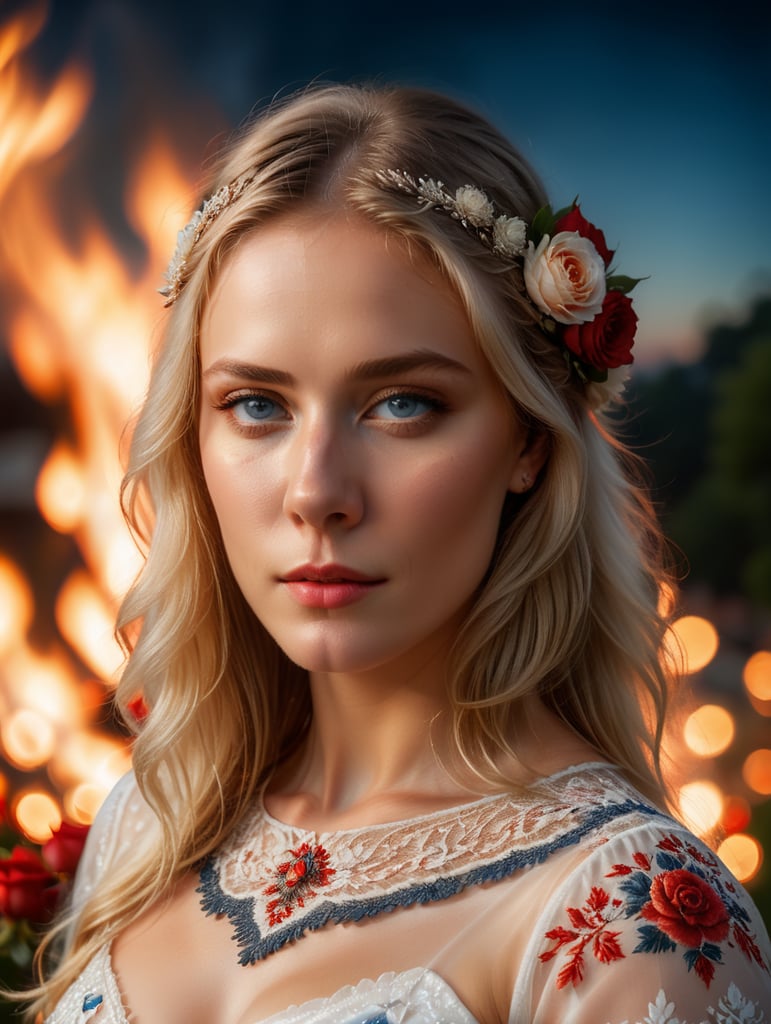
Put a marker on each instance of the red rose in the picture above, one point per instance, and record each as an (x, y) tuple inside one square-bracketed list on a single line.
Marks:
[(605, 342), (62, 851), (27, 889), (686, 908), (575, 221)]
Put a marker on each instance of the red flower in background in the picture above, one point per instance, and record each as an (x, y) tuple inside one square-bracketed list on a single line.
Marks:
[(63, 850), (32, 885), (28, 890)]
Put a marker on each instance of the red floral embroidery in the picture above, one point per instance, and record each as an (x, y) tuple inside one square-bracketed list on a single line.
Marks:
[(590, 925), (683, 901), (309, 866), (686, 908)]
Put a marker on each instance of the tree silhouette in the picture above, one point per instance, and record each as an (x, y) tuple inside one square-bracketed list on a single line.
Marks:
[(705, 430)]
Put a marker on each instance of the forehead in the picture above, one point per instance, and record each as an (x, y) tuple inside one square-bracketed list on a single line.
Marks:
[(327, 279)]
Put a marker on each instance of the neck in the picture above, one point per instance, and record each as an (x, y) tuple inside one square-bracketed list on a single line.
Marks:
[(372, 739), (381, 749)]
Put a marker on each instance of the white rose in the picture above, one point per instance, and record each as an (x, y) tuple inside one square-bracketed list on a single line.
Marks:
[(509, 235), (565, 277), (612, 390), (472, 205)]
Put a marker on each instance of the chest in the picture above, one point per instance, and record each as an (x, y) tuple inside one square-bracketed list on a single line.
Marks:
[(178, 966)]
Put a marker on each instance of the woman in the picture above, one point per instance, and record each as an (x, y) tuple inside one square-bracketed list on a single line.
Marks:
[(397, 630)]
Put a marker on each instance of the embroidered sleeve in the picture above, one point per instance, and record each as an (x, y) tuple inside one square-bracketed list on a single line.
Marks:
[(652, 929)]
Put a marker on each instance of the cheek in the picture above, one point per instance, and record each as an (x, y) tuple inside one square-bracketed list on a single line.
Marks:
[(241, 492), (458, 502)]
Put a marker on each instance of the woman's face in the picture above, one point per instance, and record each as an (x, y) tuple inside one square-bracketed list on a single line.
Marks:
[(356, 445)]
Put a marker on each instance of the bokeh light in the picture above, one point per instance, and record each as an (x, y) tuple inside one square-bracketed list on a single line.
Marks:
[(742, 855), (37, 814), (701, 804), (736, 814), (756, 771), (28, 738), (693, 643), (709, 730), (82, 802), (757, 675)]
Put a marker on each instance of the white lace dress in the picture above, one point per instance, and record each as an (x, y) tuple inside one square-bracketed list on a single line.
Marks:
[(577, 899)]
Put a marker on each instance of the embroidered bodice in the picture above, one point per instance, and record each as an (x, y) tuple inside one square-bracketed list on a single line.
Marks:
[(573, 901)]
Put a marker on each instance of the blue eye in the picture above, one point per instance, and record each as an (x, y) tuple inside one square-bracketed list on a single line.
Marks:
[(256, 408), (403, 407)]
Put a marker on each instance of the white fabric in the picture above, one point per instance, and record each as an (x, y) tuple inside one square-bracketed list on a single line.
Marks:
[(582, 937)]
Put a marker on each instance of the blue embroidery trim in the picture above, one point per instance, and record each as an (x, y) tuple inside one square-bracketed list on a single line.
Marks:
[(256, 946)]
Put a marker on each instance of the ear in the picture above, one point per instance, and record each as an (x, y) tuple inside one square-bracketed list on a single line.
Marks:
[(534, 451)]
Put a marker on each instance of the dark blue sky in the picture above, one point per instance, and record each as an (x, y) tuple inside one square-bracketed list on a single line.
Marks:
[(656, 115)]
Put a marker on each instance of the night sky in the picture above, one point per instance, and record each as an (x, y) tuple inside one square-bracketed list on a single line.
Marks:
[(656, 116)]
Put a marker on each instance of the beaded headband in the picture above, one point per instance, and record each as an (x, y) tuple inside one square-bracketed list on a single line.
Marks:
[(581, 303), (189, 235)]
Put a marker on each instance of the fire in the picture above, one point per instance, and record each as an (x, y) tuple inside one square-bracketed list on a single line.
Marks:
[(78, 323), (86, 621), (34, 127), (61, 490), (16, 604)]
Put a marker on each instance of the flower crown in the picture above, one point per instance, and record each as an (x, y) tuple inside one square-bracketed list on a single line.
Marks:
[(581, 303)]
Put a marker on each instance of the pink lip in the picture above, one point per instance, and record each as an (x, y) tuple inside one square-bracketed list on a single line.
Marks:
[(328, 586)]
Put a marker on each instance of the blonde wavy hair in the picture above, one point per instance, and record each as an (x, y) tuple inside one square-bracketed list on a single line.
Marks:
[(568, 609)]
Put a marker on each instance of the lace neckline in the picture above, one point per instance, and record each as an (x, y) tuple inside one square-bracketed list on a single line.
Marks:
[(419, 820), (276, 882)]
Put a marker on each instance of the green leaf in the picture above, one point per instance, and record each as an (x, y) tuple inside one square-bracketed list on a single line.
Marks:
[(622, 283), (594, 374), (585, 371), (543, 224), (565, 210)]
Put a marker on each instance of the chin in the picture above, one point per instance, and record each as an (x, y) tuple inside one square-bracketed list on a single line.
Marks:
[(341, 654)]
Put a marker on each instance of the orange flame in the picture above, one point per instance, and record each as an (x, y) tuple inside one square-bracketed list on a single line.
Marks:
[(79, 328), (34, 127), (16, 605)]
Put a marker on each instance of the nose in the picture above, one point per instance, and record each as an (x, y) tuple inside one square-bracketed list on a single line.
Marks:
[(324, 487)]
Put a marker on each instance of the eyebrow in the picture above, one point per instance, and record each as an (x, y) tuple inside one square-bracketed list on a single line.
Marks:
[(368, 370)]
